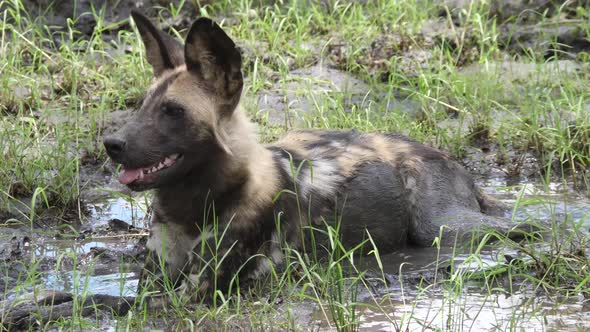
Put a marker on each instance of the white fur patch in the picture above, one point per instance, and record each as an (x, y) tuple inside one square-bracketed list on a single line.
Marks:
[(171, 242), (319, 176), (262, 268), (205, 235), (322, 177), (286, 164)]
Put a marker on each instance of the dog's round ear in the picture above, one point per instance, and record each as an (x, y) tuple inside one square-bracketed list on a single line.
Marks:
[(162, 50), (210, 54)]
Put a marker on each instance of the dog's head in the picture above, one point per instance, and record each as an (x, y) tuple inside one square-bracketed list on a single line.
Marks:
[(178, 128)]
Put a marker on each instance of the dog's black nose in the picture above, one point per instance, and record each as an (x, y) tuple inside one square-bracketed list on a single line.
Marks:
[(114, 146)]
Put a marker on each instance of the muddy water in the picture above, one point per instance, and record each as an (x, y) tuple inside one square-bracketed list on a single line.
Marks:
[(112, 277), (403, 305), (108, 259), (129, 210), (104, 258), (473, 311), (108, 263)]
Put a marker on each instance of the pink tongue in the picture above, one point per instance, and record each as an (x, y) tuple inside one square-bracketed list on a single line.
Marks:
[(129, 175)]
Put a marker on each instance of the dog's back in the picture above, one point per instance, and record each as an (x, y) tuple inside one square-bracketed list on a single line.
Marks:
[(395, 188)]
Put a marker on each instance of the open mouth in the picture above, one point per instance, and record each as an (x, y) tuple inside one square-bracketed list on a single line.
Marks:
[(146, 174)]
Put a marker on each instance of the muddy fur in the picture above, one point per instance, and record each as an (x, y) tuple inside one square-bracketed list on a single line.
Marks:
[(226, 195)]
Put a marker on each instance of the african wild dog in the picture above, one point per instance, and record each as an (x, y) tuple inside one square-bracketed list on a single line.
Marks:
[(192, 143)]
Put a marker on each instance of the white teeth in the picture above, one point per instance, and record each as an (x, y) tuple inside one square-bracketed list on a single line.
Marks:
[(167, 162)]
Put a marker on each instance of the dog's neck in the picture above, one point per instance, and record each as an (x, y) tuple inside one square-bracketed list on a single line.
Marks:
[(219, 182)]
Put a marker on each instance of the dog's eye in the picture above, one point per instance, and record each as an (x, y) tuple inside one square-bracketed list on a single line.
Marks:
[(172, 110)]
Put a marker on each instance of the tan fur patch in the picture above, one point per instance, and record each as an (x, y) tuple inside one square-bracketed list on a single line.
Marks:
[(260, 190), (303, 136), (159, 80), (353, 156), (295, 145), (187, 92), (248, 155), (383, 148)]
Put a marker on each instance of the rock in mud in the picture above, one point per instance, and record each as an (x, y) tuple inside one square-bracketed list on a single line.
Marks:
[(33, 310), (564, 39), (105, 257), (119, 226), (12, 245), (115, 120), (492, 162)]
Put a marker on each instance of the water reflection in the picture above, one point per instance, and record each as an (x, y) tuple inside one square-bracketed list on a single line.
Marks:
[(128, 209), (88, 276), (116, 284)]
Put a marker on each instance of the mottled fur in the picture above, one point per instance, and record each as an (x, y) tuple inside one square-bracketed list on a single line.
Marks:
[(229, 196)]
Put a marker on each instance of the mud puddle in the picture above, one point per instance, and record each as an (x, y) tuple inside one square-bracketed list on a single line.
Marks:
[(115, 284), (110, 256), (104, 256), (406, 304), (471, 311), (127, 209)]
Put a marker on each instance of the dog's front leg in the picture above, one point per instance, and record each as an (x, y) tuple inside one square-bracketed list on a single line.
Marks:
[(219, 267), (168, 258)]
